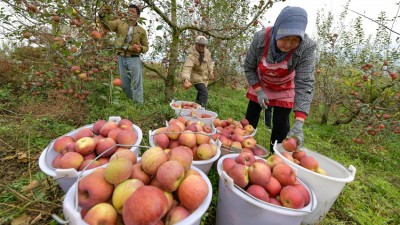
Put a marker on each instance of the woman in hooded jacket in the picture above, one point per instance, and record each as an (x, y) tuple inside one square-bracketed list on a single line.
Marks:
[(279, 69)]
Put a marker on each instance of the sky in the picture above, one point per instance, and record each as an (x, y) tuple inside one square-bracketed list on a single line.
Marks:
[(370, 8)]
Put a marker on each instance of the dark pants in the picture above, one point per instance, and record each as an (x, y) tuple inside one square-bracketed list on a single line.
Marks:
[(202, 94), (280, 121)]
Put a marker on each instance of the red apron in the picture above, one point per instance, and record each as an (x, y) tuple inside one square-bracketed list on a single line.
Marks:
[(275, 79)]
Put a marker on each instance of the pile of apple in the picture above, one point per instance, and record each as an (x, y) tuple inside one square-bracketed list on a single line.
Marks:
[(230, 126), (185, 105), (300, 157), (195, 114), (188, 134), (103, 139), (271, 180), (159, 189)]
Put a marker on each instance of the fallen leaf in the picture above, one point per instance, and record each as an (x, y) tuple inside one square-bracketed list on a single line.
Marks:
[(21, 220), (30, 186)]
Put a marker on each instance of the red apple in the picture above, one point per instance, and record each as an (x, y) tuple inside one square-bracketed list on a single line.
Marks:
[(244, 122), (309, 162), (173, 131), (245, 158), (176, 214), (161, 140), (125, 124), (291, 197), (187, 138), (273, 187), (85, 146), (298, 154), (202, 138), (284, 174), (123, 191), (138, 173), (97, 126), (107, 127), (106, 147), (152, 158), (71, 160), (259, 173), (249, 142), (275, 201), (304, 191), (274, 160), (205, 151), (192, 184), (83, 132), (90, 163), (239, 175), (182, 155), (170, 175), (114, 133), (127, 137), (61, 143), (289, 144), (147, 205), (118, 170), (288, 156), (258, 192), (94, 189), (125, 153), (102, 213)]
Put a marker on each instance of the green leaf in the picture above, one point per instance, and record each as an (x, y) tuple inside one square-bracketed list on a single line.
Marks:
[(159, 27)]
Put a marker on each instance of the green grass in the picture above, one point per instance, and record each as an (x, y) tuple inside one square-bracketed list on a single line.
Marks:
[(28, 124)]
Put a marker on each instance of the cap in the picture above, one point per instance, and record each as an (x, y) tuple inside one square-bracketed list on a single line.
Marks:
[(201, 40), (291, 21)]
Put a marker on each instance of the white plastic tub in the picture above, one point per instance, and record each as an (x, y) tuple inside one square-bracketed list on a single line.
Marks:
[(72, 211), (326, 187), (236, 207), (182, 111), (208, 121), (203, 165), (66, 177)]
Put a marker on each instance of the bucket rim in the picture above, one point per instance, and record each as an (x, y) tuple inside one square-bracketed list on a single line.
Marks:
[(265, 205), (351, 171)]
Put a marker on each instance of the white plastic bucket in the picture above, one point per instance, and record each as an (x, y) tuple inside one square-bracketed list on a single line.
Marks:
[(73, 216), (66, 177), (236, 207), (326, 187), (181, 111), (208, 121), (203, 165)]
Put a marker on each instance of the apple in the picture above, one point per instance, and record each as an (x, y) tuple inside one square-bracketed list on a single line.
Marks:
[(273, 187), (187, 138), (239, 175), (170, 175), (182, 119), (225, 141), (102, 213), (71, 160), (106, 147), (97, 126), (249, 129), (182, 155), (284, 174), (236, 146), (291, 197), (114, 133), (152, 158), (125, 124), (244, 122), (245, 158), (95, 34), (205, 151), (228, 163), (83, 132), (118, 170), (107, 127), (191, 127), (161, 140), (289, 144), (298, 154), (202, 138), (238, 131), (304, 191), (288, 156), (56, 163), (309, 162), (125, 153), (217, 122), (259, 151), (138, 173), (275, 201), (207, 128), (176, 214), (173, 131), (259, 173), (90, 163), (274, 160), (171, 201), (94, 189), (127, 137), (192, 184), (147, 205), (61, 142), (123, 191), (249, 142), (258, 192), (85, 146), (321, 171), (237, 137)]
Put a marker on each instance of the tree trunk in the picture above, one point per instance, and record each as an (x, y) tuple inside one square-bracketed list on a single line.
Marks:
[(325, 114)]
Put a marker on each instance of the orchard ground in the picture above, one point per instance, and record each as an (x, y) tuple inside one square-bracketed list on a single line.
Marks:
[(28, 122)]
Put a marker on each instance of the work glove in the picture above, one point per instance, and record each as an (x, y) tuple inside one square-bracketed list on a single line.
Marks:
[(262, 99), (105, 10), (297, 131)]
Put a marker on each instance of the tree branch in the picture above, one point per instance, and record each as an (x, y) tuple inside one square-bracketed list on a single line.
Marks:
[(154, 70)]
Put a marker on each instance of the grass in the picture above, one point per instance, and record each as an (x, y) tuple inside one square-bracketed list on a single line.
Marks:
[(28, 123)]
